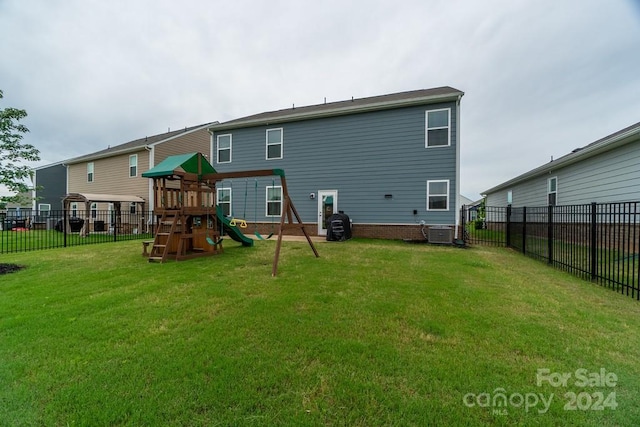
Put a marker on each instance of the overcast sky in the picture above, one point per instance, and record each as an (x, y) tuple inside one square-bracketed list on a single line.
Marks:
[(541, 77)]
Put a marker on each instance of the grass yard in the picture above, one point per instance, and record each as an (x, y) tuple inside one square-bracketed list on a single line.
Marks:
[(372, 333)]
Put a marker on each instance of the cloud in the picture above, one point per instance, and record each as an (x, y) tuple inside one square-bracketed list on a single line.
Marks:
[(540, 77)]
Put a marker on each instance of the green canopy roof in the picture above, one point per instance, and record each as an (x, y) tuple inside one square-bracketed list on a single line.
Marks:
[(181, 163)]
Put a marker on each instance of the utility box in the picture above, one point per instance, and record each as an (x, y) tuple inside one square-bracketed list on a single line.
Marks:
[(440, 234)]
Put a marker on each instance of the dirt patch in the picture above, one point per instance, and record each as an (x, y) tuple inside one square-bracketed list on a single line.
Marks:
[(10, 268)]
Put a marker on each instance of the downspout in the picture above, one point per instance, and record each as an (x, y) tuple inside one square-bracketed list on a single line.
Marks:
[(211, 146), (458, 207), (150, 194)]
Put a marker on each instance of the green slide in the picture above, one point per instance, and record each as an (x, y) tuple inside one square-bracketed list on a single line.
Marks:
[(233, 231)]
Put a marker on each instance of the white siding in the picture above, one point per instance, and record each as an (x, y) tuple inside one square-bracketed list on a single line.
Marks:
[(613, 176)]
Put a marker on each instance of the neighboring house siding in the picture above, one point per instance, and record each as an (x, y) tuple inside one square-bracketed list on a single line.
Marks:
[(111, 173), (364, 156), (530, 193), (111, 176), (197, 141), (53, 180), (611, 176)]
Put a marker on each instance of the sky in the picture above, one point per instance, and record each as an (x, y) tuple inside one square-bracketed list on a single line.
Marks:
[(540, 77)]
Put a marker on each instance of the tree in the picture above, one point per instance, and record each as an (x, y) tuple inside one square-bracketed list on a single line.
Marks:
[(13, 153)]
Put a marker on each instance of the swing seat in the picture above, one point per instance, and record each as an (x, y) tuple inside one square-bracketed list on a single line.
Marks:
[(238, 222), (261, 237), (212, 242)]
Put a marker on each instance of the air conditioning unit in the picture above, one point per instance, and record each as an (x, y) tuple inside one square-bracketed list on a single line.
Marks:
[(440, 234)]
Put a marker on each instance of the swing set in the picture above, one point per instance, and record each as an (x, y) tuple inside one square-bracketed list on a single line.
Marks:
[(242, 222), (185, 200), (255, 214)]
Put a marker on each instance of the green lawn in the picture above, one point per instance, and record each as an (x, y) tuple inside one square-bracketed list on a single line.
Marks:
[(371, 333)]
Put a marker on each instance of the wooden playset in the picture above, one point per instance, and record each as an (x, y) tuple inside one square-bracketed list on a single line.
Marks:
[(189, 221)]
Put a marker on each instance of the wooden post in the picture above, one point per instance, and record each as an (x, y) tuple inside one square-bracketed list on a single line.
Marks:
[(289, 212), (276, 258)]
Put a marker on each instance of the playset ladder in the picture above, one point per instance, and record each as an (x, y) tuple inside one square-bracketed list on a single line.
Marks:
[(167, 227)]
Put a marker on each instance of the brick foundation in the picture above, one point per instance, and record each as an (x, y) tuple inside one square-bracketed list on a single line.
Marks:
[(372, 231)]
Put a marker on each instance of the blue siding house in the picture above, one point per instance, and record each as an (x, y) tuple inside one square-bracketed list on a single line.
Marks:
[(51, 186), (390, 162), (606, 170)]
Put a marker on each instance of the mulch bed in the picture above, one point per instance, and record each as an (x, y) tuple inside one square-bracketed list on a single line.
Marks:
[(10, 268)]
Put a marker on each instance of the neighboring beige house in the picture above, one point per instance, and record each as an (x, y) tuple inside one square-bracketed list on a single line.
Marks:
[(117, 170)]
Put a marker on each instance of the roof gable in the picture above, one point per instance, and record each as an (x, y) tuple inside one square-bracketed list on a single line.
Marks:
[(137, 144)]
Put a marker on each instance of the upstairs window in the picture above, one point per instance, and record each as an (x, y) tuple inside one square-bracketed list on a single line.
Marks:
[(224, 200), (552, 190), (133, 165), (438, 195), (90, 172), (274, 201), (274, 143), (224, 148), (438, 128)]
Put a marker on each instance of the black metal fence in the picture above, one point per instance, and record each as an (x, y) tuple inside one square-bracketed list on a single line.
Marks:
[(597, 241), (32, 230)]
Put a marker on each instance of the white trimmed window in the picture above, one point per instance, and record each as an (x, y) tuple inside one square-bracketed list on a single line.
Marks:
[(133, 165), (552, 191), (274, 144), (438, 129), (224, 200), (44, 209), (274, 201), (509, 197), (224, 148), (74, 209), (132, 208), (90, 172), (94, 210), (438, 195)]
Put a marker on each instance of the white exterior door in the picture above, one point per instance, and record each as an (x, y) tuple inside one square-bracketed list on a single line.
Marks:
[(327, 206)]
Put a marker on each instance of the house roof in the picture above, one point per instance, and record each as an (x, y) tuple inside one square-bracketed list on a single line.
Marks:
[(137, 145), (360, 105), (87, 197), (194, 163), (615, 140)]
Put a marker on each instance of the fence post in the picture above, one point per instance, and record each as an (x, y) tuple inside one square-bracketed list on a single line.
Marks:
[(65, 221), (508, 242), (594, 238), (550, 233), (463, 228), (524, 229), (116, 221)]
